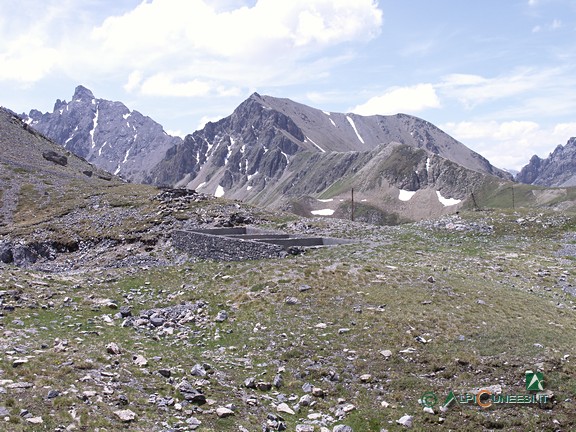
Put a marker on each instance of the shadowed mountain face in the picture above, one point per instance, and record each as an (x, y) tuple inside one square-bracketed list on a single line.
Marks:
[(557, 170), (105, 133)]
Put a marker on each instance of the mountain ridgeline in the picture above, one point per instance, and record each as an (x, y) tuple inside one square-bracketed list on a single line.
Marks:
[(281, 154), (105, 133), (558, 169)]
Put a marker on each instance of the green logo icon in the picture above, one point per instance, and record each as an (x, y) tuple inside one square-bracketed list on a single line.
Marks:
[(534, 381), (450, 399), (428, 399)]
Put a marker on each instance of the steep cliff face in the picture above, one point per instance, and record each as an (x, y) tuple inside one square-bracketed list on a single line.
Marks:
[(558, 169), (253, 145), (105, 133)]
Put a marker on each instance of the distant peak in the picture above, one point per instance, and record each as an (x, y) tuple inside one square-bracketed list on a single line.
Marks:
[(82, 93), (256, 96)]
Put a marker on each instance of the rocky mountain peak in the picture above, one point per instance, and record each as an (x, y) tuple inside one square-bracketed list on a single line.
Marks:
[(106, 133), (557, 170), (82, 94)]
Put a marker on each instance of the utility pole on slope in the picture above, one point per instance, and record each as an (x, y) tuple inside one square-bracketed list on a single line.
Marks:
[(513, 203), (352, 206)]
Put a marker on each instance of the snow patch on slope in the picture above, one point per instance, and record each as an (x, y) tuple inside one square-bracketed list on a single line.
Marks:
[(219, 192), (126, 156), (100, 149), (405, 195), (354, 127), (446, 202), (94, 126), (323, 212), (317, 146)]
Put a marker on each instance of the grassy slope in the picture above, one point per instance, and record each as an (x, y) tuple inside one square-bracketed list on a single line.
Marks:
[(491, 302)]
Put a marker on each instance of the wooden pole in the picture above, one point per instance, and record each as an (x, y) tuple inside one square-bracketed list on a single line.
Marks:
[(513, 203), (474, 201), (352, 207)]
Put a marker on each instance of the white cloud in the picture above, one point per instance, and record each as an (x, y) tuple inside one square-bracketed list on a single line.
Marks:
[(163, 84), (176, 133), (267, 41), (228, 91), (134, 81), (27, 60), (185, 46), (473, 90), (206, 119), (407, 100), (565, 130), (510, 144), (29, 47)]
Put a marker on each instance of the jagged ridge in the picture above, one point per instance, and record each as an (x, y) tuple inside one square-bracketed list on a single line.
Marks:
[(105, 133), (557, 170)]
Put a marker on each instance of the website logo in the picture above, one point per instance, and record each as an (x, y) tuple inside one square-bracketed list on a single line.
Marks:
[(488, 397), (534, 381)]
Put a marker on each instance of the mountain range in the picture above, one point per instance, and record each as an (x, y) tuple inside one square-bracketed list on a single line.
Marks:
[(558, 169), (278, 153), (106, 133)]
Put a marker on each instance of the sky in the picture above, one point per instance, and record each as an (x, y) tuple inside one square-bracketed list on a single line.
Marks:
[(498, 75)]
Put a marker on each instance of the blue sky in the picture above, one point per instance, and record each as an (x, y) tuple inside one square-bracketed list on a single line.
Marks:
[(498, 75)]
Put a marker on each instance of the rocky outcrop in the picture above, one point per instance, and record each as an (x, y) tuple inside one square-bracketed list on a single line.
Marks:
[(557, 170), (254, 142), (105, 133), (52, 156)]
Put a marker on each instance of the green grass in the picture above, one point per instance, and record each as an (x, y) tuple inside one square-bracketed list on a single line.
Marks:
[(490, 314)]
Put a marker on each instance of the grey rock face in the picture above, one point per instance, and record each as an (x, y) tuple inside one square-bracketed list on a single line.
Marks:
[(258, 144), (6, 255), (557, 170), (105, 133)]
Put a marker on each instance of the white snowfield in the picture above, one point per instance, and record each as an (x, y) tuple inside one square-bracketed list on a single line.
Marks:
[(94, 126), (219, 192), (405, 195), (447, 201), (323, 212), (354, 127), (316, 145)]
